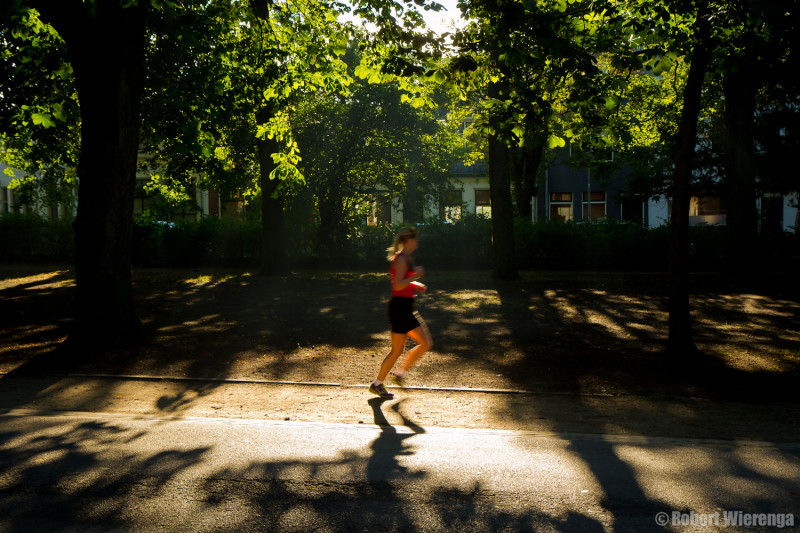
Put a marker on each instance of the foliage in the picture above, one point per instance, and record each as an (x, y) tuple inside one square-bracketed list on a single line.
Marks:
[(210, 241), (31, 238), (544, 245), (246, 63), (466, 244), (39, 126), (558, 245), (370, 144)]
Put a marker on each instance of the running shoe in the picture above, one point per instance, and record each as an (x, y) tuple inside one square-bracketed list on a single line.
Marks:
[(380, 390), (398, 379)]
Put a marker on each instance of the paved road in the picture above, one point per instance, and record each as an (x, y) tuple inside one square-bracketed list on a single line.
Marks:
[(84, 471)]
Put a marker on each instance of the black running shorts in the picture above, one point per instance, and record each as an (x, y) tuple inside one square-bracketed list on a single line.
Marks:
[(402, 316)]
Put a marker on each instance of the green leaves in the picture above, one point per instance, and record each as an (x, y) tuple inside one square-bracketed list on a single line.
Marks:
[(554, 141), (42, 119)]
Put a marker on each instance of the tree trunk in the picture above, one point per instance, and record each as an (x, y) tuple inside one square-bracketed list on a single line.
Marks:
[(332, 232), (525, 165), (106, 49), (273, 231), (411, 214), (273, 234), (742, 217), (505, 266), (680, 343)]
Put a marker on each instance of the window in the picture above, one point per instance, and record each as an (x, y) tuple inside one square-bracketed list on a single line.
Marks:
[(380, 214), (598, 205), (483, 203), (450, 205), (561, 206), (708, 209), (707, 206)]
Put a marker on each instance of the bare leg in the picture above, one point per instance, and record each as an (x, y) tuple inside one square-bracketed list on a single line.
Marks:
[(398, 345), (422, 337)]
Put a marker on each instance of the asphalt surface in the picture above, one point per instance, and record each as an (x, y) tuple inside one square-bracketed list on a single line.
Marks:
[(97, 453), (71, 471)]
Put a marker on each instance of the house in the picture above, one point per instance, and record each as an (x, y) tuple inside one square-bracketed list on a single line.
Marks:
[(10, 202), (565, 193), (572, 194), (209, 203)]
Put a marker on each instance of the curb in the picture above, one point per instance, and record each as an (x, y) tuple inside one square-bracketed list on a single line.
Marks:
[(144, 377)]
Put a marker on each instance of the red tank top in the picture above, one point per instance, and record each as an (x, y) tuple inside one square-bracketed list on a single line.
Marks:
[(408, 292)]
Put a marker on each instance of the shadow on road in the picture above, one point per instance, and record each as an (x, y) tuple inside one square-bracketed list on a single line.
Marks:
[(107, 475), (384, 463), (548, 335), (585, 335)]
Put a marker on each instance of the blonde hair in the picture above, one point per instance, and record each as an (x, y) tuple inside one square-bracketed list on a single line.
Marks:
[(404, 235)]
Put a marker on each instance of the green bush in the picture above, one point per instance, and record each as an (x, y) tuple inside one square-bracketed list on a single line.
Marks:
[(31, 238), (558, 245), (466, 244), (368, 248), (210, 241), (545, 245)]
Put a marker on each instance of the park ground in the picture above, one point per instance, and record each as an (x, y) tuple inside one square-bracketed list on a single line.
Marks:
[(559, 352)]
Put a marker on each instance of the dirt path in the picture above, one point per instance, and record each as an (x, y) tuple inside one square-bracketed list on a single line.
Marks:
[(583, 350), (351, 404)]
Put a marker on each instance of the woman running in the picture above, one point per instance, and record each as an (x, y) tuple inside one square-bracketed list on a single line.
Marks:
[(405, 321)]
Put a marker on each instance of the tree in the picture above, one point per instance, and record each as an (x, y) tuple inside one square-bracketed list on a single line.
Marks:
[(106, 42), (719, 39), (531, 68), (680, 342), (255, 65), (38, 113), (758, 56), (568, 41), (368, 143)]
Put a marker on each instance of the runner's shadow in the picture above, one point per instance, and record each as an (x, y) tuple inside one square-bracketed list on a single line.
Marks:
[(384, 463)]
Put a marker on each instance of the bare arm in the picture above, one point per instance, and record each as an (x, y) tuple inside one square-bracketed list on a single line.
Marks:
[(400, 269)]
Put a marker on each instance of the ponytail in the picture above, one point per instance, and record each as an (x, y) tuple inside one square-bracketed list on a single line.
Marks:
[(405, 234)]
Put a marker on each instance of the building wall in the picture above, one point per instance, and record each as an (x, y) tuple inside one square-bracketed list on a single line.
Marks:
[(471, 184), (791, 213), (561, 178), (9, 201), (658, 213)]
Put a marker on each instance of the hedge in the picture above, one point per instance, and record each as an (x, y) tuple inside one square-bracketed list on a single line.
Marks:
[(33, 239), (547, 245)]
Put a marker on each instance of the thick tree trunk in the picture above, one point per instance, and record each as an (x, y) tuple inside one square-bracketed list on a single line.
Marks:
[(273, 234), (742, 217), (106, 49), (505, 266), (680, 343)]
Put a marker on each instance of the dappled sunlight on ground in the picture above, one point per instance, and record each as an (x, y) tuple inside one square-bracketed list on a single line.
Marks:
[(575, 357), (577, 332), (16, 279), (210, 280)]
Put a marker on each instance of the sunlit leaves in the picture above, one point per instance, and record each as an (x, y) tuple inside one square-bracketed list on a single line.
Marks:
[(39, 116), (246, 62), (554, 141)]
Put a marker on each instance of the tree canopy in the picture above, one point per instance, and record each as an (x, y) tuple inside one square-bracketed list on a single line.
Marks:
[(253, 95)]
